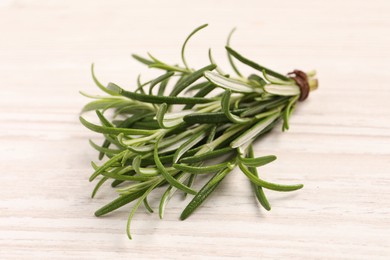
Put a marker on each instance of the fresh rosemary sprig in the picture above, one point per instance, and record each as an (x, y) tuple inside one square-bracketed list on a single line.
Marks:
[(157, 140)]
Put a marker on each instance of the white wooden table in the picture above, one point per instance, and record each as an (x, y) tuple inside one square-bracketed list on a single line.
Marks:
[(338, 145)]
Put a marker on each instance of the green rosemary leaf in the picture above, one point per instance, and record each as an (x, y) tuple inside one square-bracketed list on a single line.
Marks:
[(137, 164), (115, 176), (269, 113), (142, 60), (253, 131), (94, 165), (167, 67), (206, 156), (169, 193), (203, 193), (114, 130), (223, 139), (206, 88), (212, 133), (197, 86), (182, 77), (159, 99), (140, 86), (168, 144), (152, 125), (160, 114), (228, 83), (167, 121), (103, 103), (148, 158), (255, 65), (210, 118), (259, 193), (200, 170), (125, 124), (163, 86), (129, 108), (167, 175), (100, 85), (125, 169), (133, 110), (287, 112), (212, 61), (219, 177), (103, 150), (274, 80), (147, 206), (282, 90), (257, 79), (107, 165), (119, 202), (176, 115), (137, 161), (206, 118), (196, 138), (160, 79), (113, 139), (115, 183), (258, 161), (93, 96), (185, 43), (191, 79), (225, 104), (155, 60), (98, 185), (263, 105), (140, 200), (103, 120), (229, 55), (190, 183), (165, 199), (265, 184)]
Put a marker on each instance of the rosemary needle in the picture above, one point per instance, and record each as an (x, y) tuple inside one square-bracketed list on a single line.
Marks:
[(153, 139)]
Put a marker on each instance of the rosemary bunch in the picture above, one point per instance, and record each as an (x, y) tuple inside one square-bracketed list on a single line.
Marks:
[(160, 139)]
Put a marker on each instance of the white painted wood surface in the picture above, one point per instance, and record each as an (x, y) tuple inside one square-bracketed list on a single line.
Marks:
[(338, 145)]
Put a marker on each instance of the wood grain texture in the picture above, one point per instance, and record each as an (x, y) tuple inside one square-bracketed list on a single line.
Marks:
[(338, 145)]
